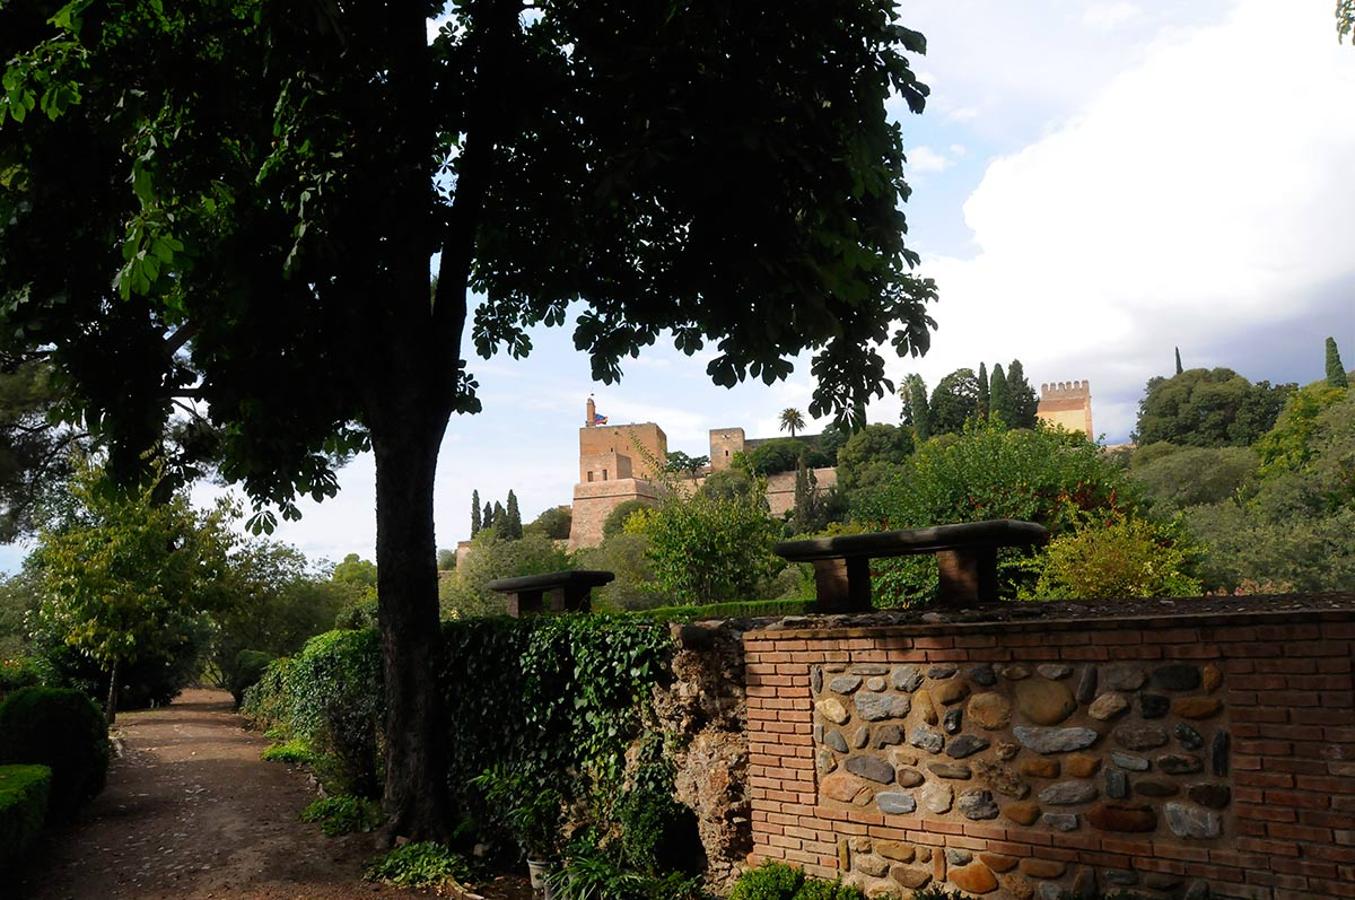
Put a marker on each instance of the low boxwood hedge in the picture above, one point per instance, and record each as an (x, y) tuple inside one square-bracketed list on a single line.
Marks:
[(23, 807), (62, 729)]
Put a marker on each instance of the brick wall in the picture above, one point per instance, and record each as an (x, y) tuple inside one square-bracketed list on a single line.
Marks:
[(1285, 700)]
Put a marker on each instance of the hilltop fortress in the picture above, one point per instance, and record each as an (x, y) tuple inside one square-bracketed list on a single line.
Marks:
[(618, 463)]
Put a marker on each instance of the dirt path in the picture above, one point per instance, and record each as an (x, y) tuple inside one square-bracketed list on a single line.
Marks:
[(191, 812)]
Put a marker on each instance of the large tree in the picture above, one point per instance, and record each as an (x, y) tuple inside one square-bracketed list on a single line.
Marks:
[(1025, 402), (1208, 408), (1336, 372), (955, 400), (238, 202)]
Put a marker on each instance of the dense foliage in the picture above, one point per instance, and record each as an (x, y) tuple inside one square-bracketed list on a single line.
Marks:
[(1208, 408), (1052, 477), (466, 592), (63, 730), (24, 793), (708, 549), (1122, 558), (554, 702)]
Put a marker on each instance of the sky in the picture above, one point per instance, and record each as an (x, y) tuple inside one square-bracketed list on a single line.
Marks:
[(1095, 183)]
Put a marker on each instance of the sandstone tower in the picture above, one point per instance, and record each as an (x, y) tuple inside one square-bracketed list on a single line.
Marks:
[(616, 463), (1067, 403)]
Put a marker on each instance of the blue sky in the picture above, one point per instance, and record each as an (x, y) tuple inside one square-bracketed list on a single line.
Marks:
[(1096, 181)]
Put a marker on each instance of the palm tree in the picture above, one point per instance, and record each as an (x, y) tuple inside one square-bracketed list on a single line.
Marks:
[(792, 420)]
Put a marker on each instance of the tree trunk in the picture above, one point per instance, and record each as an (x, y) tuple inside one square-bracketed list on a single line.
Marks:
[(406, 450), (111, 710)]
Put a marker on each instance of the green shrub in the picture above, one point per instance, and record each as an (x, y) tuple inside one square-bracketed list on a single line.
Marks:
[(778, 881), (1125, 558), (343, 814), (295, 752), (250, 666), (596, 876), (267, 704), (62, 729), (337, 707), (423, 864), (615, 522), (23, 807)]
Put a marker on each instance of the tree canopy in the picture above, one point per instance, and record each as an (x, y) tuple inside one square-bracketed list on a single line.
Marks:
[(1208, 408), (955, 400), (236, 205)]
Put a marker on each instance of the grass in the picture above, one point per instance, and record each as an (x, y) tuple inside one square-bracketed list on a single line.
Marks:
[(294, 751)]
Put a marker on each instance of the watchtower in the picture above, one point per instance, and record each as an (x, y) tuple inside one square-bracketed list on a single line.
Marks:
[(1067, 403)]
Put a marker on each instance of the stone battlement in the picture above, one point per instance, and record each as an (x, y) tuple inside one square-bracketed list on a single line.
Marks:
[(1065, 390)]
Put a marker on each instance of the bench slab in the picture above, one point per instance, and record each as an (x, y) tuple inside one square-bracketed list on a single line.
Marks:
[(567, 591), (966, 556)]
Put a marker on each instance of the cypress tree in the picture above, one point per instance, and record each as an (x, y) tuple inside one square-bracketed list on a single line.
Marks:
[(984, 396), (1025, 403), (999, 397), (500, 517), (918, 410), (513, 520), (475, 521), (1336, 372), (487, 520), (1179, 370)]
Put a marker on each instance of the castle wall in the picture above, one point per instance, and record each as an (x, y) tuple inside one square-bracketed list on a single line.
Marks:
[(594, 501), (781, 489)]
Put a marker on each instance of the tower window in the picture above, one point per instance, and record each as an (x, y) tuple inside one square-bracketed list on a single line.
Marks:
[(604, 474)]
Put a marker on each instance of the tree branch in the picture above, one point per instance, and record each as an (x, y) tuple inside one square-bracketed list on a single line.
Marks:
[(176, 341), (483, 124)]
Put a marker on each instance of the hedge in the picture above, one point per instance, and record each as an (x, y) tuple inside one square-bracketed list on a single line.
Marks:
[(560, 694), (62, 729), (24, 791)]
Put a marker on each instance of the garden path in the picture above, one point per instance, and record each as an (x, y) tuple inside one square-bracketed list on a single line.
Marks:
[(191, 812)]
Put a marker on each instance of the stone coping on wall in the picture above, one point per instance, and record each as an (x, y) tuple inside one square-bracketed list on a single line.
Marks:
[(1011, 616)]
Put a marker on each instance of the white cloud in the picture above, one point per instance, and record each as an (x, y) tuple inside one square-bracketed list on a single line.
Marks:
[(1106, 16), (1204, 193), (925, 159)]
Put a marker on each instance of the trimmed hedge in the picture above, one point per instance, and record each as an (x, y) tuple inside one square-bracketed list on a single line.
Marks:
[(24, 791), (62, 729)]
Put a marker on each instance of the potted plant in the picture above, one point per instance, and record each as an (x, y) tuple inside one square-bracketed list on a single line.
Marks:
[(529, 809)]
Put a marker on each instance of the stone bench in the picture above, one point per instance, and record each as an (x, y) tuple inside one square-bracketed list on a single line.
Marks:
[(966, 556), (569, 591)]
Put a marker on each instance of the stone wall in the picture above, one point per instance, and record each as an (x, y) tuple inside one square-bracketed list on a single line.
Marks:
[(595, 500), (781, 489), (1169, 756)]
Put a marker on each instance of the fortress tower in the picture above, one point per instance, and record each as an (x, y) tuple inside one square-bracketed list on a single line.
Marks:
[(616, 463), (1067, 403)]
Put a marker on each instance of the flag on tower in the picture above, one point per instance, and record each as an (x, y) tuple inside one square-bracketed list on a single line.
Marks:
[(599, 419)]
